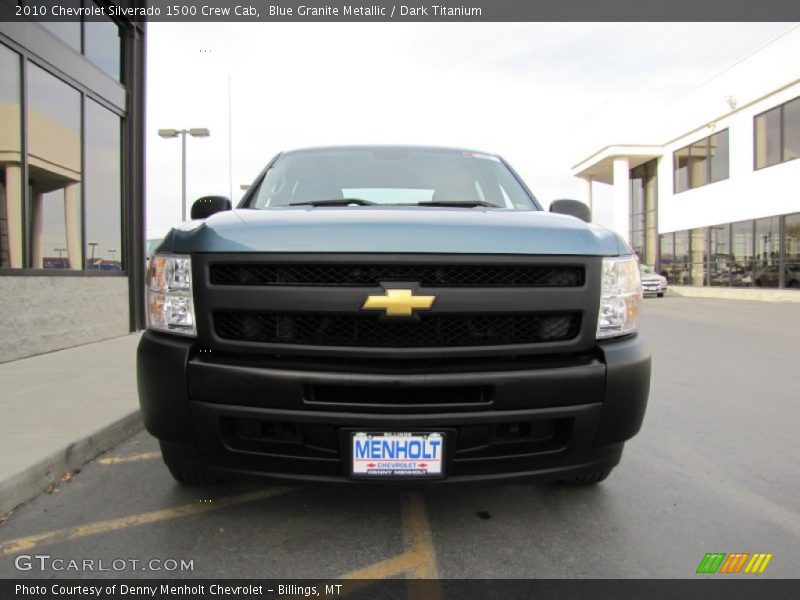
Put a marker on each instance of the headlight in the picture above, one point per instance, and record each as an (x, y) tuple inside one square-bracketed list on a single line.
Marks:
[(169, 294), (621, 297)]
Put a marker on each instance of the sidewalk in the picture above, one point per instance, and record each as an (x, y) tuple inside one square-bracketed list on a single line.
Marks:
[(756, 294), (60, 410)]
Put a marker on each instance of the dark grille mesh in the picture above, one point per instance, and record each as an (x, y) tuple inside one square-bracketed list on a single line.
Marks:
[(372, 331), (373, 274)]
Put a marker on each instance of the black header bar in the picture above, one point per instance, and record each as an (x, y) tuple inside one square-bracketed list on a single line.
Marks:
[(709, 588), (447, 11)]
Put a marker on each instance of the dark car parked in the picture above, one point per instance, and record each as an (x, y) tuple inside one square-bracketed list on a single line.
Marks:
[(769, 276)]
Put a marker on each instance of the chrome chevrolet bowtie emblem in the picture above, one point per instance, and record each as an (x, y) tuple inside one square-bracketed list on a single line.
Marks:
[(398, 303)]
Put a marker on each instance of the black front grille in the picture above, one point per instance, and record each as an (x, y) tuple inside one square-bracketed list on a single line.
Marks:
[(259, 274), (372, 331), (472, 442)]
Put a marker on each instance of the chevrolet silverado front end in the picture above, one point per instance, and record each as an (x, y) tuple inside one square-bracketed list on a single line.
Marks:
[(374, 314)]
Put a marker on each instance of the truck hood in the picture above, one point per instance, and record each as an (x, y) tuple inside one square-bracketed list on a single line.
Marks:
[(394, 230)]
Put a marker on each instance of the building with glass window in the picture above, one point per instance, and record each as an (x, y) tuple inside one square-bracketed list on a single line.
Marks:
[(71, 183), (707, 188)]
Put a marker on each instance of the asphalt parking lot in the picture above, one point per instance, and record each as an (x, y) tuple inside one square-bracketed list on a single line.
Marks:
[(715, 469)]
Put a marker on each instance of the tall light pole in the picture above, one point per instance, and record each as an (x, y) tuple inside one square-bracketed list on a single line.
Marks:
[(61, 256), (194, 132), (230, 142), (93, 245)]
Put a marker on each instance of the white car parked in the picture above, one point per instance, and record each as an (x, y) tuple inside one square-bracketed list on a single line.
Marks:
[(653, 284)]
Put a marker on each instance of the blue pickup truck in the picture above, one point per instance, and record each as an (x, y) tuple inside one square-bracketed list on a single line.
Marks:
[(392, 314)]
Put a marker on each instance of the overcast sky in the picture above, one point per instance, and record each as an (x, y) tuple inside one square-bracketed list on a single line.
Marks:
[(526, 91)]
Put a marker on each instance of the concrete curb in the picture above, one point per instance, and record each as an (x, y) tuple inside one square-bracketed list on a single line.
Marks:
[(754, 294), (28, 484)]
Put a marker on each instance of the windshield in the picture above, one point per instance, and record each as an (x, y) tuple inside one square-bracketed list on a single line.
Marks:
[(152, 244), (646, 270), (390, 177)]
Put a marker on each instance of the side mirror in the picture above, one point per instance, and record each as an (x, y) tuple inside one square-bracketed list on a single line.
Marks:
[(573, 208), (208, 205)]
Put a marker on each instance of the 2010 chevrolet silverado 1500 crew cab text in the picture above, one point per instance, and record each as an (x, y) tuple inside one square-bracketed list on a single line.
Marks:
[(374, 314)]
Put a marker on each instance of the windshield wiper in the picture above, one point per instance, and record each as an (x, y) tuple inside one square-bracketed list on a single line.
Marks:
[(459, 203), (334, 202)]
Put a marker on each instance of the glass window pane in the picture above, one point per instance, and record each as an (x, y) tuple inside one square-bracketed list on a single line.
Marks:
[(54, 162), (101, 45), (680, 266), (637, 245), (650, 197), (768, 250), (698, 163), (720, 242), (697, 273), (10, 161), (791, 250), (791, 130), (637, 215), (637, 195), (681, 168), (68, 31), (50, 231), (667, 255), (742, 254), (103, 196), (768, 138), (719, 156)]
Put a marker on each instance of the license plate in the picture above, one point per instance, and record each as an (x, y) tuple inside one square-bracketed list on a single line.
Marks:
[(397, 454)]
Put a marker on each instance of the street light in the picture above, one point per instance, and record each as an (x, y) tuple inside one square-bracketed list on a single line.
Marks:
[(91, 260), (61, 257), (172, 133)]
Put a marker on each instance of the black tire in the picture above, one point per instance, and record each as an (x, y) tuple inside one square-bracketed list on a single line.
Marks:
[(589, 479), (192, 477), (661, 295)]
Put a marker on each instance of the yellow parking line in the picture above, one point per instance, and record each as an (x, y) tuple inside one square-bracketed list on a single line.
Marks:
[(385, 569), (417, 536), (73, 533), (115, 460), (419, 558), (419, 539)]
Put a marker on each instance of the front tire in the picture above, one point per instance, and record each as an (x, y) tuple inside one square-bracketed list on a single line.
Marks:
[(660, 295), (588, 479)]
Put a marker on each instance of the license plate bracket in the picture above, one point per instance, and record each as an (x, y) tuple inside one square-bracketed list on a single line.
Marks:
[(397, 455)]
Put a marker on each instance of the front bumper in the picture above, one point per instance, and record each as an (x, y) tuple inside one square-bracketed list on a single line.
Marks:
[(653, 288), (280, 418)]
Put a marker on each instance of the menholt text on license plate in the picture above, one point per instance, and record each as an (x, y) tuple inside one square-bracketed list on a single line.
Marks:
[(397, 454)]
